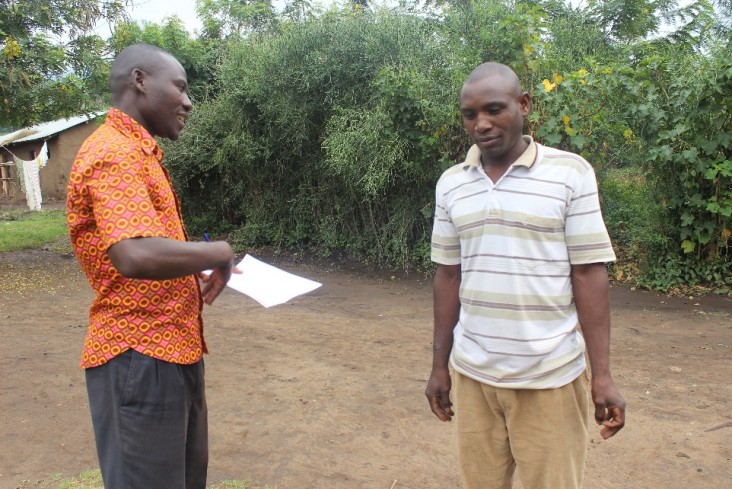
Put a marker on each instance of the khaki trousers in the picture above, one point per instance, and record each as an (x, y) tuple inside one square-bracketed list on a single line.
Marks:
[(542, 432)]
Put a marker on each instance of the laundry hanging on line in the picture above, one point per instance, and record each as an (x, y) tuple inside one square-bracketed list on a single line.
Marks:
[(30, 178)]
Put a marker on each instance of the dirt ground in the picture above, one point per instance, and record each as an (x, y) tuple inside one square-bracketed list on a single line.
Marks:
[(327, 390)]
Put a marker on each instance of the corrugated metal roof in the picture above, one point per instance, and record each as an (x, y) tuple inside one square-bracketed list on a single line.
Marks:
[(46, 129)]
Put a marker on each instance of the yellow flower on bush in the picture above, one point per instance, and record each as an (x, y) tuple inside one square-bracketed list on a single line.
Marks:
[(580, 75), (567, 128), (548, 86), (551, 85), (12, 48)]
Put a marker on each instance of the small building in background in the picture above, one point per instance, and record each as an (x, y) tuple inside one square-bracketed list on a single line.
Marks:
[(63, 138)]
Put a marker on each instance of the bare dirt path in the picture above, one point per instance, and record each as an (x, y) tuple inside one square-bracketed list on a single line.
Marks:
[(327, 391)]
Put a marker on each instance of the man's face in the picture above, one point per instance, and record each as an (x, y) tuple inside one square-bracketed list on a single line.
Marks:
[(493, 109), (166, 102)]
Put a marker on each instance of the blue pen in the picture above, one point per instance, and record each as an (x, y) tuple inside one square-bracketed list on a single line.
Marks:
[(206, 238)]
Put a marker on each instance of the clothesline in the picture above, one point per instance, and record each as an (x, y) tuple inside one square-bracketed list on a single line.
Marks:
[(11, 153), (44, 149)]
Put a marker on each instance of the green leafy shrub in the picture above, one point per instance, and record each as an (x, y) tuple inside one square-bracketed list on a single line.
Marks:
[(689, 157), (635, 218), (328, 132)]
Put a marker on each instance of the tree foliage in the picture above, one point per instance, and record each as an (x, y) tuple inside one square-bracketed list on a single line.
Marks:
[(690, 151), (224, 18), (327, 129), (51, 58), (331, 128), (199, 56), (331, 133)]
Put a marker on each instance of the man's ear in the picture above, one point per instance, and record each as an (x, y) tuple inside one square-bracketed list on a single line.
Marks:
[(139, 79), (525, 103)]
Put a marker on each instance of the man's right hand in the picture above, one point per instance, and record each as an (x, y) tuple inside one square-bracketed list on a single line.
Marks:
[(165, 258), (438, 393)]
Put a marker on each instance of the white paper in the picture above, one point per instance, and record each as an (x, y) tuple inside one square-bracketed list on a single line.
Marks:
[(266, 284)]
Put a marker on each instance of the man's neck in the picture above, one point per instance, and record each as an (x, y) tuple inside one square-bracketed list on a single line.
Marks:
[(496, 168), (133, 112), (493, 170)]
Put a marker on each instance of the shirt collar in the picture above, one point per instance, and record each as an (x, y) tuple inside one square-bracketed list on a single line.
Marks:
[(527, 158), (134, 130)]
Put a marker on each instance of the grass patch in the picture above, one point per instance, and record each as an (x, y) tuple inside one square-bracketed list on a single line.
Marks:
[(30, 230), (92, 479)]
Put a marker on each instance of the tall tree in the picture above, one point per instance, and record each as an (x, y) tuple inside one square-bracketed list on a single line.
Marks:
[(51, 59), (298, 10), (631, 20), (226, 18), (198, 56)]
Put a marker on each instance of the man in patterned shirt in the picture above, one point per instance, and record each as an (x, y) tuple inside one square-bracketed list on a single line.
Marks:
[(521, 249), (144, 347)]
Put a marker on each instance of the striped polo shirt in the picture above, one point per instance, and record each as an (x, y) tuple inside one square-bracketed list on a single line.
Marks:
[(515, 241)]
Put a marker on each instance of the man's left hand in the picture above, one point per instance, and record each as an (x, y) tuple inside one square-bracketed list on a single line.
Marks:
[(216, 282)]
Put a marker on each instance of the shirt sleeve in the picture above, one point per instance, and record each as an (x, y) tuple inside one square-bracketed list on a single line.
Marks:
[(121, 200), (585, 232), (445, 238)]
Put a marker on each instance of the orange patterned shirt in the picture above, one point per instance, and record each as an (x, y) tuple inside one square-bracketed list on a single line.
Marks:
[(118, 189)]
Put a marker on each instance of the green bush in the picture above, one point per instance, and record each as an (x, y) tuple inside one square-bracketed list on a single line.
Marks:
[(632, 210), (675, 272), (328, 133), (635, 218)]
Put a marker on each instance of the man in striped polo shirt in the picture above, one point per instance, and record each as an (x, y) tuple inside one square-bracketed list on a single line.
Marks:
[(521, 249)]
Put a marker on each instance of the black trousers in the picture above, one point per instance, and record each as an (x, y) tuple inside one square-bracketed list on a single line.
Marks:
[(150, 422)]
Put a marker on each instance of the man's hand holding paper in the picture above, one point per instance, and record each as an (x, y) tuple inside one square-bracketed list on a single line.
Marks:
[(266, 284)]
